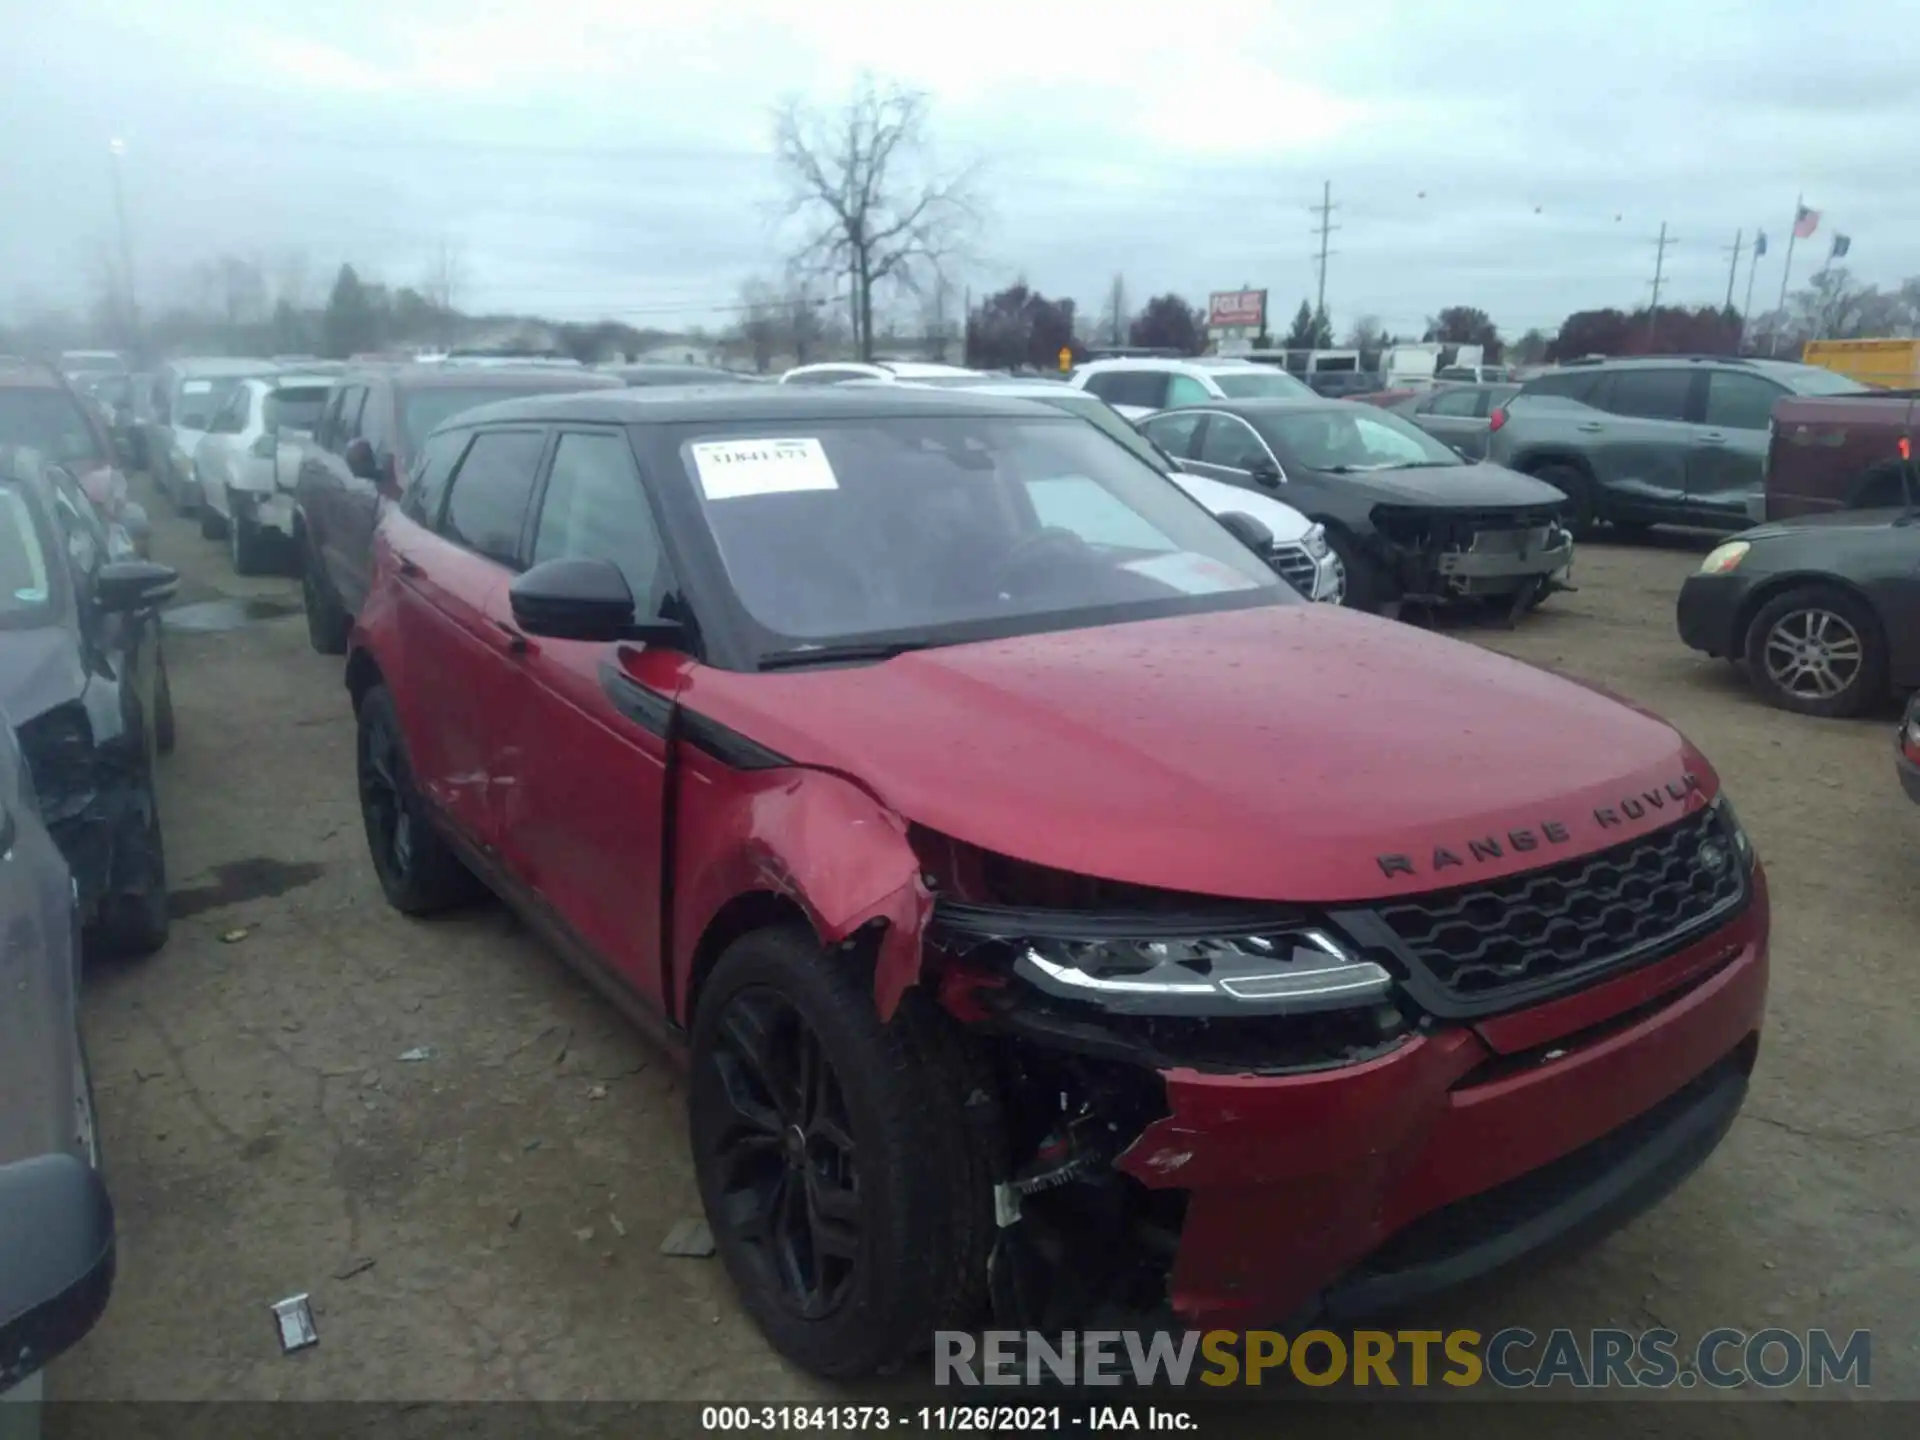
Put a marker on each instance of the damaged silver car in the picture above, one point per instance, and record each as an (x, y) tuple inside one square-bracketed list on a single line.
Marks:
[(84, 679)]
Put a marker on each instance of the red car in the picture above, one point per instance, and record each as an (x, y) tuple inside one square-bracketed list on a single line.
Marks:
[(1055, 912)]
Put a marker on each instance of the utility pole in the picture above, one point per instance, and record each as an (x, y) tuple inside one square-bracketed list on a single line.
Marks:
[(1119, 308), (1733, 270), (1786, 273), (1326, 227), (1659, 267), (1753, 267), (116, 147)]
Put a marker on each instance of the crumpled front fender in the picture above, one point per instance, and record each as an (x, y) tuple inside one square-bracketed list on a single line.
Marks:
[(813, 837)]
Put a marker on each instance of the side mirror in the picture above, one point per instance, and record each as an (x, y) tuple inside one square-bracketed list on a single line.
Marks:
[(1266, 473), (573, 599), (56, 1276), (361, 461), (1248, 531), (126, 586)]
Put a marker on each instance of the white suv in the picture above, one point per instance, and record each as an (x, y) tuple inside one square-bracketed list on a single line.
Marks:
[(1139, 387), (245, 468), (839, 372)]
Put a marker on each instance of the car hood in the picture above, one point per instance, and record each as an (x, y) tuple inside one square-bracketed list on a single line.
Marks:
[(1463, 487), (1825, 522), (39, 669), (1277, 753), (1286, 523)]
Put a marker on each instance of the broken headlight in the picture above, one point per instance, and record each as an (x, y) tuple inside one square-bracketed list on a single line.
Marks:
[(1156, 965), (1314, 542)]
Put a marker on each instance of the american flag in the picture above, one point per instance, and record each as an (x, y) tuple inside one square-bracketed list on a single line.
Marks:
[(1805, 222)]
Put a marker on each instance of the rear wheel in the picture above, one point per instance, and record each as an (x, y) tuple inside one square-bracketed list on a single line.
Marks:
[(249, 547), (1818, 650), (846, 1188), (212, 525), (1576, 485), (418, 870), (328, 624)]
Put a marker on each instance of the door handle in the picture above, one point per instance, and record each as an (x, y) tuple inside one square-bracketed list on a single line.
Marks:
[(516, 642), (1713, 438), (1590, 427), (408, 567)]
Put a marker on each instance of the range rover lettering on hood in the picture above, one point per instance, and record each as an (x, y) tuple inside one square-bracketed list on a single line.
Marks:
[(1480, 849)]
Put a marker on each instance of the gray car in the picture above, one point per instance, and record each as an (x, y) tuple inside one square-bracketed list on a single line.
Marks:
[(56, 1225), (1457, 414), (1666, 439)]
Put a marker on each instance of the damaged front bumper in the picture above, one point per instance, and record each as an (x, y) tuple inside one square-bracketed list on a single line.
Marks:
[(1241, 1169), (1438, 557), (91, 800)]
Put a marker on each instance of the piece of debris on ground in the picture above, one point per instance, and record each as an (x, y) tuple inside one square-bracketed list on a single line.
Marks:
[(689, 1238)]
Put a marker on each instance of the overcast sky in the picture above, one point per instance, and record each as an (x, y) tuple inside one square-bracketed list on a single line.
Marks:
[(613, 157)]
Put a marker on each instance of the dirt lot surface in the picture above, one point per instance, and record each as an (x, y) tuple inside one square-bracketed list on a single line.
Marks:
[(484, 1222)]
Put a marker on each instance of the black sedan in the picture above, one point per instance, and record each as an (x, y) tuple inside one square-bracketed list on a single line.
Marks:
[(56, 1225), (1410, 518), (1825, 609), (84, 680)]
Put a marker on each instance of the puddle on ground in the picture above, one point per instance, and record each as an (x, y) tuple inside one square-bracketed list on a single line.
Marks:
[(239, 880), (218, 615)]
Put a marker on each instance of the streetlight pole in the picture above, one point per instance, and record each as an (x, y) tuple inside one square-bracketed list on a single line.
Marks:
[(117, 147)]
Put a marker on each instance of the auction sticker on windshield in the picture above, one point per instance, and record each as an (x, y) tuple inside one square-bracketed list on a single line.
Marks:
[(731, 469)]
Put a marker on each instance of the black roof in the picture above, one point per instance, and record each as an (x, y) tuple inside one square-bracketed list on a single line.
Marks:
[(750, 404)]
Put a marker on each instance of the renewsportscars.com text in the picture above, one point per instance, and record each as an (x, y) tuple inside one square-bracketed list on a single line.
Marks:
[(1513, 1358)]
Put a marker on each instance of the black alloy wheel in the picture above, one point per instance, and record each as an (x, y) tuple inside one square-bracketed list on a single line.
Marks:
[(1573, 482), (417, 869), (787, 1168), (847, 1179)]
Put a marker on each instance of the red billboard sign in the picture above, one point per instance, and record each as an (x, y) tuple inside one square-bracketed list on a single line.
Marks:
[(1237, 308)]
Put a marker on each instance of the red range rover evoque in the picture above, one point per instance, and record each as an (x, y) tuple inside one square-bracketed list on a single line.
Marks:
[(1058, 917)]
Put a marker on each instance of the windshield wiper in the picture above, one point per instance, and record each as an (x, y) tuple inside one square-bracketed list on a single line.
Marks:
[(833, 654)]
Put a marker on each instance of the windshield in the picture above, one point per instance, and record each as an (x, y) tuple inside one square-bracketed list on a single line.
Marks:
[(197, 400), (1353, 437), (51, 422), (1260, 385), (422, 411), (1109, 421), (1811, 380), (26, 582), (955, 527), (296, 407)]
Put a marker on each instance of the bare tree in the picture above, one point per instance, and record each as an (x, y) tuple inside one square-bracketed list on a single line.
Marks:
[(939, 325), (292, 274), (864, 182), (1114, 319)]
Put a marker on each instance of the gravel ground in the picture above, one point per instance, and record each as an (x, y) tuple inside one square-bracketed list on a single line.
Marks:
[(484, 1222)]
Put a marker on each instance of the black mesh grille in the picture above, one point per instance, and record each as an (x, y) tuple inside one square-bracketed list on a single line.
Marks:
[(1295, 566), (1633, 903)]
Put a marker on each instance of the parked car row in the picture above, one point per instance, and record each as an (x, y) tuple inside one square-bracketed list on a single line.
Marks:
[(904, 757)]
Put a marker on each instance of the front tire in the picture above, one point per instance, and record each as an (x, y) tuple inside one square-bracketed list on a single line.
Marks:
[(1817, 650), (1368, 586), (848, 1193), (248, 546), (1582, 510), (328, 624), (417, 869), (133, 918)]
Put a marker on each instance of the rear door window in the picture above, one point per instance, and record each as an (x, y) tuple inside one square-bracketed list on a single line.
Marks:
[(346, 421), (1173, 433), (1144, 388), (1737, 401), (1566, 384), (487, 502), (1230, 441), (1465, 403), (1649, 394)]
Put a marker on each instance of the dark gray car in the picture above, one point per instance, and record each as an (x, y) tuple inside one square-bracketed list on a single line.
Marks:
[(56, 1228), (1669, 439)]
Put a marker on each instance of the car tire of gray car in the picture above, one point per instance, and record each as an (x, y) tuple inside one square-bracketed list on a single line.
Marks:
[(133, 919), (212, 526), (417, 869), (1577, 486), (86, 1115), (1367, 585), (328, 624), (249, 547), (846, 1180), (1817, 650)]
